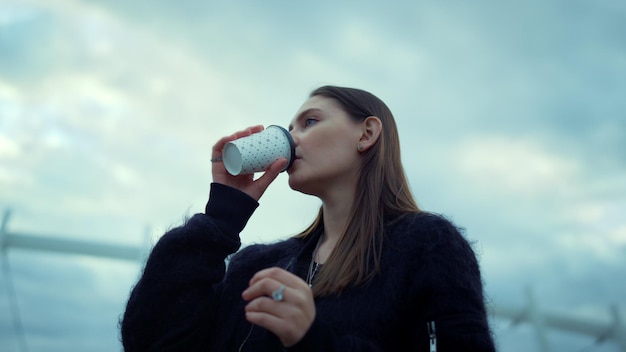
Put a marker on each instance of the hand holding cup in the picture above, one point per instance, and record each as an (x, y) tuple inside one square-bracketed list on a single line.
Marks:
[(244, 182)]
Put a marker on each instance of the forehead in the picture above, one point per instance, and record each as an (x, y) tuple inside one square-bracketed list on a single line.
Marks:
[(319, 104)]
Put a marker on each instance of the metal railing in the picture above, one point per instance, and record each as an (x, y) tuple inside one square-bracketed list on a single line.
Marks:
[(613, 330)]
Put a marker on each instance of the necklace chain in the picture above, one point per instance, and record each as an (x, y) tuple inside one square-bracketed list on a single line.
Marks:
[(313, 266), (312, 271)]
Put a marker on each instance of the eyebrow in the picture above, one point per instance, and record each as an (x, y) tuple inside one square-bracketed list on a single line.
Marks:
[(303, 114)]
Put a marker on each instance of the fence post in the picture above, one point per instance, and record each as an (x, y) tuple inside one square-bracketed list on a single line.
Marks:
[(3, 230), (536, 319)]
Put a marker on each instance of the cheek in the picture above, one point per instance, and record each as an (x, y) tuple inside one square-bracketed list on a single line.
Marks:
[(330, 142), (336, 141)]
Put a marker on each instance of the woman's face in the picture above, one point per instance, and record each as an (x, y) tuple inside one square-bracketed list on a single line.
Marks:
[(326, 141)]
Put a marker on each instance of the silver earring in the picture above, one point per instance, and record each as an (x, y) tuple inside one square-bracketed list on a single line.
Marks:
[(360, 147)]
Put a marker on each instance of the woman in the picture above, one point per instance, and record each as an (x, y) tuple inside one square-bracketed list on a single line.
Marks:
[(372, 273)]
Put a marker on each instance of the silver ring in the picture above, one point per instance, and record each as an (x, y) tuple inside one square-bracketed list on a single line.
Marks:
[(278, 294), (216, 160)]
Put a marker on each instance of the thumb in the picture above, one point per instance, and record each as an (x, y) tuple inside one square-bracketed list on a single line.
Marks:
[(270, 175)]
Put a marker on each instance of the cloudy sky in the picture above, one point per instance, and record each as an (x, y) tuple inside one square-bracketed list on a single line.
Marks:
[(511, 115)]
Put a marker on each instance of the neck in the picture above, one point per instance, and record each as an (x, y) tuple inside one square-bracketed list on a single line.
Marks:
[(336, 213)]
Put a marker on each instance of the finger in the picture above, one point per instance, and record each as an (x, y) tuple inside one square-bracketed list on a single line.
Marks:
[(262, 319), (264, 288), (266, 320), (284, 321), (272, 171), (267, 305), (263, 182), (248, 131), (280, 275), (275, 309), (219, 146)]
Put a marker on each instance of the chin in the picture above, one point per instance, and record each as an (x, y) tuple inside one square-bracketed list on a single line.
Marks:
[(293, 182), (299, 185)]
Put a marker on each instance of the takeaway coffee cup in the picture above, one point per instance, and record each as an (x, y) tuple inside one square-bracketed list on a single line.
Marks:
[(256, 152)]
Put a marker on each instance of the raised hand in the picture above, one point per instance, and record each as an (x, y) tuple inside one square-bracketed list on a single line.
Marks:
[(245, 183)]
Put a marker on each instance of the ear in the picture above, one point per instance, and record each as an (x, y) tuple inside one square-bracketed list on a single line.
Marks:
[(372, 128)]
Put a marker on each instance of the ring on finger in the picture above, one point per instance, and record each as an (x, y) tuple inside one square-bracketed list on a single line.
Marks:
[(216, 160), (278, 294)]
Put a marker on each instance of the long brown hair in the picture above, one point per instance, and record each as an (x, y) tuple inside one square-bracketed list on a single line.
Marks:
[(383, 195)]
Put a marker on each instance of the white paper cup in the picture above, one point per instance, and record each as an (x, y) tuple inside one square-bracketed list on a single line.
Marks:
[(256, 152)]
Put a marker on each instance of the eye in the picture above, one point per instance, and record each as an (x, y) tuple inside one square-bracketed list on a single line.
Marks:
[(309, 121)]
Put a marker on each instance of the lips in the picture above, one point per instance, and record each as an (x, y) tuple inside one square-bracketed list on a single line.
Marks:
[(295, 160)]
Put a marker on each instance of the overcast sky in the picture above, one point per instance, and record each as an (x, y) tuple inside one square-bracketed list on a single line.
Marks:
[(511, 116)]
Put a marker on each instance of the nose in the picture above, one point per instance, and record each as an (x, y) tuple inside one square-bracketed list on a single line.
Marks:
[(294, 136)]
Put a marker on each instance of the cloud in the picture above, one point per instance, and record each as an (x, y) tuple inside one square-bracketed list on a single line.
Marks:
[(510, 117), (516, 167)]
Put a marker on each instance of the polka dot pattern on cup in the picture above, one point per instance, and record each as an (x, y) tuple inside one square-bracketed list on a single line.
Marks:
[(256, 152)]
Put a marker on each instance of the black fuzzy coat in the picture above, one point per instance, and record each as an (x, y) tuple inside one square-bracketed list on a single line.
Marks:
[(186, 300)]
